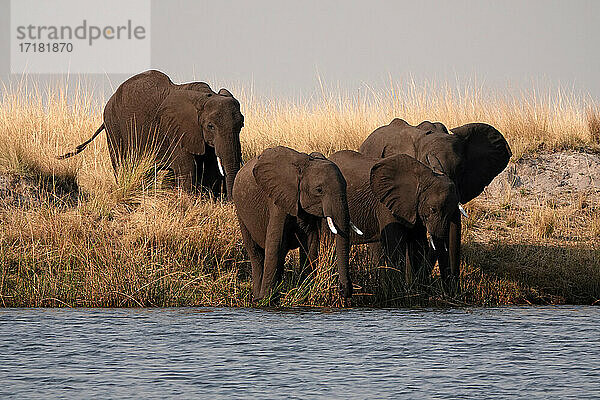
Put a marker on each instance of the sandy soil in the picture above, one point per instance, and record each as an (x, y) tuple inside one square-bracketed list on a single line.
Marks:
[(557, 177)]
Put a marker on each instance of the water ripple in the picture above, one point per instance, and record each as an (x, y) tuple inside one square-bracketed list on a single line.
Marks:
[(536, 352)]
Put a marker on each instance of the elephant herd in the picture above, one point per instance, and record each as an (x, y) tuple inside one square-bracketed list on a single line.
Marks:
[(405, 182)]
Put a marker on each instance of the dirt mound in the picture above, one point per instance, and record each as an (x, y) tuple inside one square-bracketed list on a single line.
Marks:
[(556, 176)]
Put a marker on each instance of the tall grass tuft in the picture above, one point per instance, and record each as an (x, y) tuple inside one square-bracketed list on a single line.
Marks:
[(593, 122)]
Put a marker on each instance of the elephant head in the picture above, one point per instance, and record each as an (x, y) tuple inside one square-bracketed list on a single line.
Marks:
[(471, 156), (308, 186), (204, 118), (412, 190)]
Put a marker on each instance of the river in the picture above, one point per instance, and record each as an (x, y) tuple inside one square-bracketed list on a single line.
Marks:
[(526, 352)]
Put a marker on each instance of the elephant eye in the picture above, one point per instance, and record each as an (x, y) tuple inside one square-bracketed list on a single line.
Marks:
[(433, 210), (319, 189), (211, 127)]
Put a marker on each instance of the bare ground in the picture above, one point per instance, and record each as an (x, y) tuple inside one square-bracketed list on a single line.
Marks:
[(546, 177)]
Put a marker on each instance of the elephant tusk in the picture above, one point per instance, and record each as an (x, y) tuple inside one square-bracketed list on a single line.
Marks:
[(463, 211), (355, 229), (220, 166), (445, 247), (331, 226), (431, 242)]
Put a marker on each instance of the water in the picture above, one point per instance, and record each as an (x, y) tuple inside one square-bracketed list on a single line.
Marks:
[(537, 352)]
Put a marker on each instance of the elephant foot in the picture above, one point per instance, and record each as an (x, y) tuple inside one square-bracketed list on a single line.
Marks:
[(451, 285), (345, 291), (347, 303)]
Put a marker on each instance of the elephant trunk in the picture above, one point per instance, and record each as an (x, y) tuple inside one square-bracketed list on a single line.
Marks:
[(340, 217), (230, 177), (342, 250), (447, 249), (454, 238), (440, 249), (230, 164)]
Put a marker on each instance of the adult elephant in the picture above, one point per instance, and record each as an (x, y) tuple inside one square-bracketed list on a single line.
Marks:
[(190, 129), (281, 197), (471, 155), (394, 201)]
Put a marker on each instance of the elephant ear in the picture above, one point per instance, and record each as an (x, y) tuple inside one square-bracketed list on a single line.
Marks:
[(178, 115), (225, 92), (486, 154), (395, 182), (431, 127), (277, 172)]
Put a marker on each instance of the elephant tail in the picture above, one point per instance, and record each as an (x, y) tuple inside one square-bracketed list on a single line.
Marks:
[(82, 146)]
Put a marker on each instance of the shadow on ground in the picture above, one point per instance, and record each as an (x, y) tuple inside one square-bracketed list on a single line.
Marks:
[(531, 273)]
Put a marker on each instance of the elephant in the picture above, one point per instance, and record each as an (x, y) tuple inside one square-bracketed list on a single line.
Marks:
[(281, 197), (470, 155), (190, 129), (394, 201)]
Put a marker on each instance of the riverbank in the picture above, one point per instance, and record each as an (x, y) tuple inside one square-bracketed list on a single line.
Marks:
[(71, 236)]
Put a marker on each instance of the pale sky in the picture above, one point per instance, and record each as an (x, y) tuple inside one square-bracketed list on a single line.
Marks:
[(280, 47)]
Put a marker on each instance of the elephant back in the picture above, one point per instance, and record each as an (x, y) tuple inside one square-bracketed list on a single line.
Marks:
[(354, 166), (124, 106), (398, 137)]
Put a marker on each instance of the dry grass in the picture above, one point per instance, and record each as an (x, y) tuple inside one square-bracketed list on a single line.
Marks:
[(593, 120), (133, 243)]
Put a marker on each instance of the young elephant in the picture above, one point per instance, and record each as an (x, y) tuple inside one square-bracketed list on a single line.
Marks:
[(281, 197), (394, 201)]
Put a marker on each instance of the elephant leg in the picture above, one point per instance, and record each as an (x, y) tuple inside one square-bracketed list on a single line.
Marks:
[(280, 267), (454, 239), (273, 251), (199, 175), (257, 259), (184, 167), (375, 254), (416, 251), (114, 150), (304, 261), (207, 173), (393, 242), (309, 254)]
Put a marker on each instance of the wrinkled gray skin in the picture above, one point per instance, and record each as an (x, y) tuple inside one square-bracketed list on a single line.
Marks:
[(471, 155), (188, 126), (392, 201), (281, 198)]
